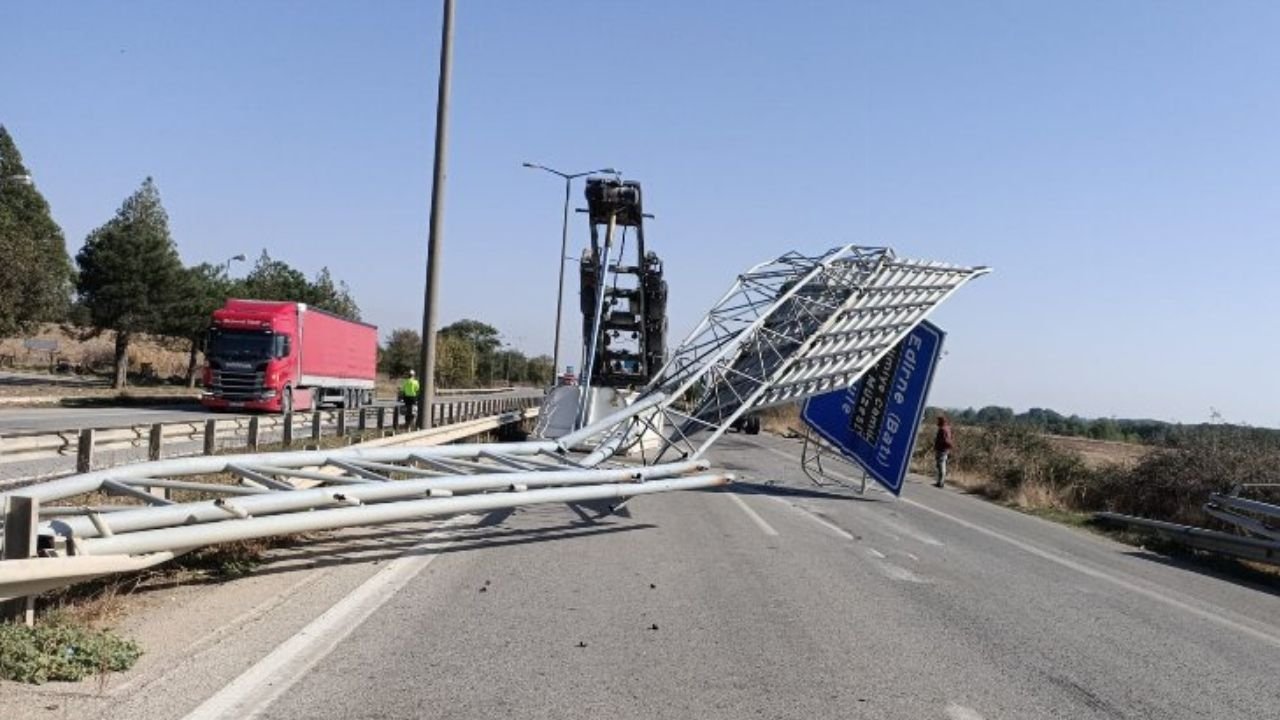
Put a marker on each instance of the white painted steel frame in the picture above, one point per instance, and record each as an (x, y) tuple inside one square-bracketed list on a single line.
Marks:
[(788, 329)]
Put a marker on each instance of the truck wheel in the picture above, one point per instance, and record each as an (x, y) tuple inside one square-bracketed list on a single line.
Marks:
[(752, 426), (286, 403)]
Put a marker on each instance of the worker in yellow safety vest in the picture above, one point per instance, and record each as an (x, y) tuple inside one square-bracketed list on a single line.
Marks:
[(409, 396)]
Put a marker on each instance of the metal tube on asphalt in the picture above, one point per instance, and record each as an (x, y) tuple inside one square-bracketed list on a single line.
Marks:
[(189, 536), (270, 503), (612, 419), (435, 239)]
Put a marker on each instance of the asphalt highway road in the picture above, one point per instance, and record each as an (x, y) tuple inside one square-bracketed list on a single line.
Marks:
[(783, 600), (15, 420)]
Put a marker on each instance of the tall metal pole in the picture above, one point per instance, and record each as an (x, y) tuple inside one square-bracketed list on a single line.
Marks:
[(589, 361), (426, 399), (564, 250)]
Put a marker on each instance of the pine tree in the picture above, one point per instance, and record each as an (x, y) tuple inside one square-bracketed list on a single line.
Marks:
[(131, 278), (35, 272), (205, 288), (334, 297), (273, 279)]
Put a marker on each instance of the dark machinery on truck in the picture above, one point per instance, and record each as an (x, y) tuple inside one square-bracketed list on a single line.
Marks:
[(624, 296)]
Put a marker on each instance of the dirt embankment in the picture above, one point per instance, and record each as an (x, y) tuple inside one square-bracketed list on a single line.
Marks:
[(166, 357)]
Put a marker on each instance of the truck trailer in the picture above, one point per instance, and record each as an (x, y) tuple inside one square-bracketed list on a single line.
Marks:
[(284, 356)]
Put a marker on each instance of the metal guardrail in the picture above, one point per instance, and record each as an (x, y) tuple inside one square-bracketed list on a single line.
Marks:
[(1237, 546), (212, 435)]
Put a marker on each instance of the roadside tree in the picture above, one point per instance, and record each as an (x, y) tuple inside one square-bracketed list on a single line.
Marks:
[(401, 353), (205, 288), (131, 278), (35, 271)]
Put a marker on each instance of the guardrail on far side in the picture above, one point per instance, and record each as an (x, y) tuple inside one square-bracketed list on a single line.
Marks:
[(209, 436)]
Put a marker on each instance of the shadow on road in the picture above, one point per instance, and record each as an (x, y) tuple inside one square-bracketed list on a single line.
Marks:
[(1216, 567), (766, 488), (391, 545)]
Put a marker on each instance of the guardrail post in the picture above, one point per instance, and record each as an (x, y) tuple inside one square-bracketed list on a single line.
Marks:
[(315, 424), (287, 431), (253, 434), (84, 451), (155, 442), (210, 436), (342, 422), (21, 516)]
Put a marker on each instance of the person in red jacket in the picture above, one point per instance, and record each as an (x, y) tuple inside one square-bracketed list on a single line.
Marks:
[(943, 443)]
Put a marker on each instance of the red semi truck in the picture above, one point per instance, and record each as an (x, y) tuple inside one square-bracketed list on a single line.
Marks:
[(285, 356)]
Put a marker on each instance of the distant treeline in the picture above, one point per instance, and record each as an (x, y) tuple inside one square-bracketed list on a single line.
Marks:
[(1147, 432)]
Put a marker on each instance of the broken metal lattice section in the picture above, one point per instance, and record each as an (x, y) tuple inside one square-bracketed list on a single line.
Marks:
[(789, 329)]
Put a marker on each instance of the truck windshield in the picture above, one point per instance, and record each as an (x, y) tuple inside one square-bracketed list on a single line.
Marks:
[(240, 344)]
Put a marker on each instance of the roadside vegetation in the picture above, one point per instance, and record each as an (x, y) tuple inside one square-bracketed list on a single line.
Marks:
[(59, 649), (1013, 464), (1015, 460)]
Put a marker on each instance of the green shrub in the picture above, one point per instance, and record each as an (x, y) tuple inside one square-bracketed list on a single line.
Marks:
[(1174, 484), (59, 650), (1012, 462)]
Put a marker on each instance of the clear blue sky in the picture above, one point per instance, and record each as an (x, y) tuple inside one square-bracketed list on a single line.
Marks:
[(1118, 164)]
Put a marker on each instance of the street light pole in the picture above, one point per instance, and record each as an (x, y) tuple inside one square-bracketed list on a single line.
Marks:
[(426, 399), (564, 250), (226, 266)]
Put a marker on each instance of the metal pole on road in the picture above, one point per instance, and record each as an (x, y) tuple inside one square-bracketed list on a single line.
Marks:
[(426, 398), (564, 250)]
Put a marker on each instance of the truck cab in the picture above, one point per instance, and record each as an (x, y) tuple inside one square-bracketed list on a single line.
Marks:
[(249, 358), (283, 356)]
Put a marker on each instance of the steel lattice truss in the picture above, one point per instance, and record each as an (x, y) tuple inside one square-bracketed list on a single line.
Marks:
[(789, 329), (237, 497)]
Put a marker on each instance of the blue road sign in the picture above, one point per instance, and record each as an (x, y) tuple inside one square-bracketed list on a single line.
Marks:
[(874, 421)]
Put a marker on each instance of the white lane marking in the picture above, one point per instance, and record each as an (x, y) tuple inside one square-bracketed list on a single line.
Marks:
[(759, 521), (897, 572), (839, 531), (960, 712), (876, 553), (1214, 617), (259, 686), (909, 531)]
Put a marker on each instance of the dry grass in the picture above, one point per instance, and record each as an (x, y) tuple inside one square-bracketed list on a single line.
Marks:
[(167, 356), (782, 420), (1100, 453)]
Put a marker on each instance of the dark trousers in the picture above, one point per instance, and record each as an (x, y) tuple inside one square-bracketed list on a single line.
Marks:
[(410, 406)]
